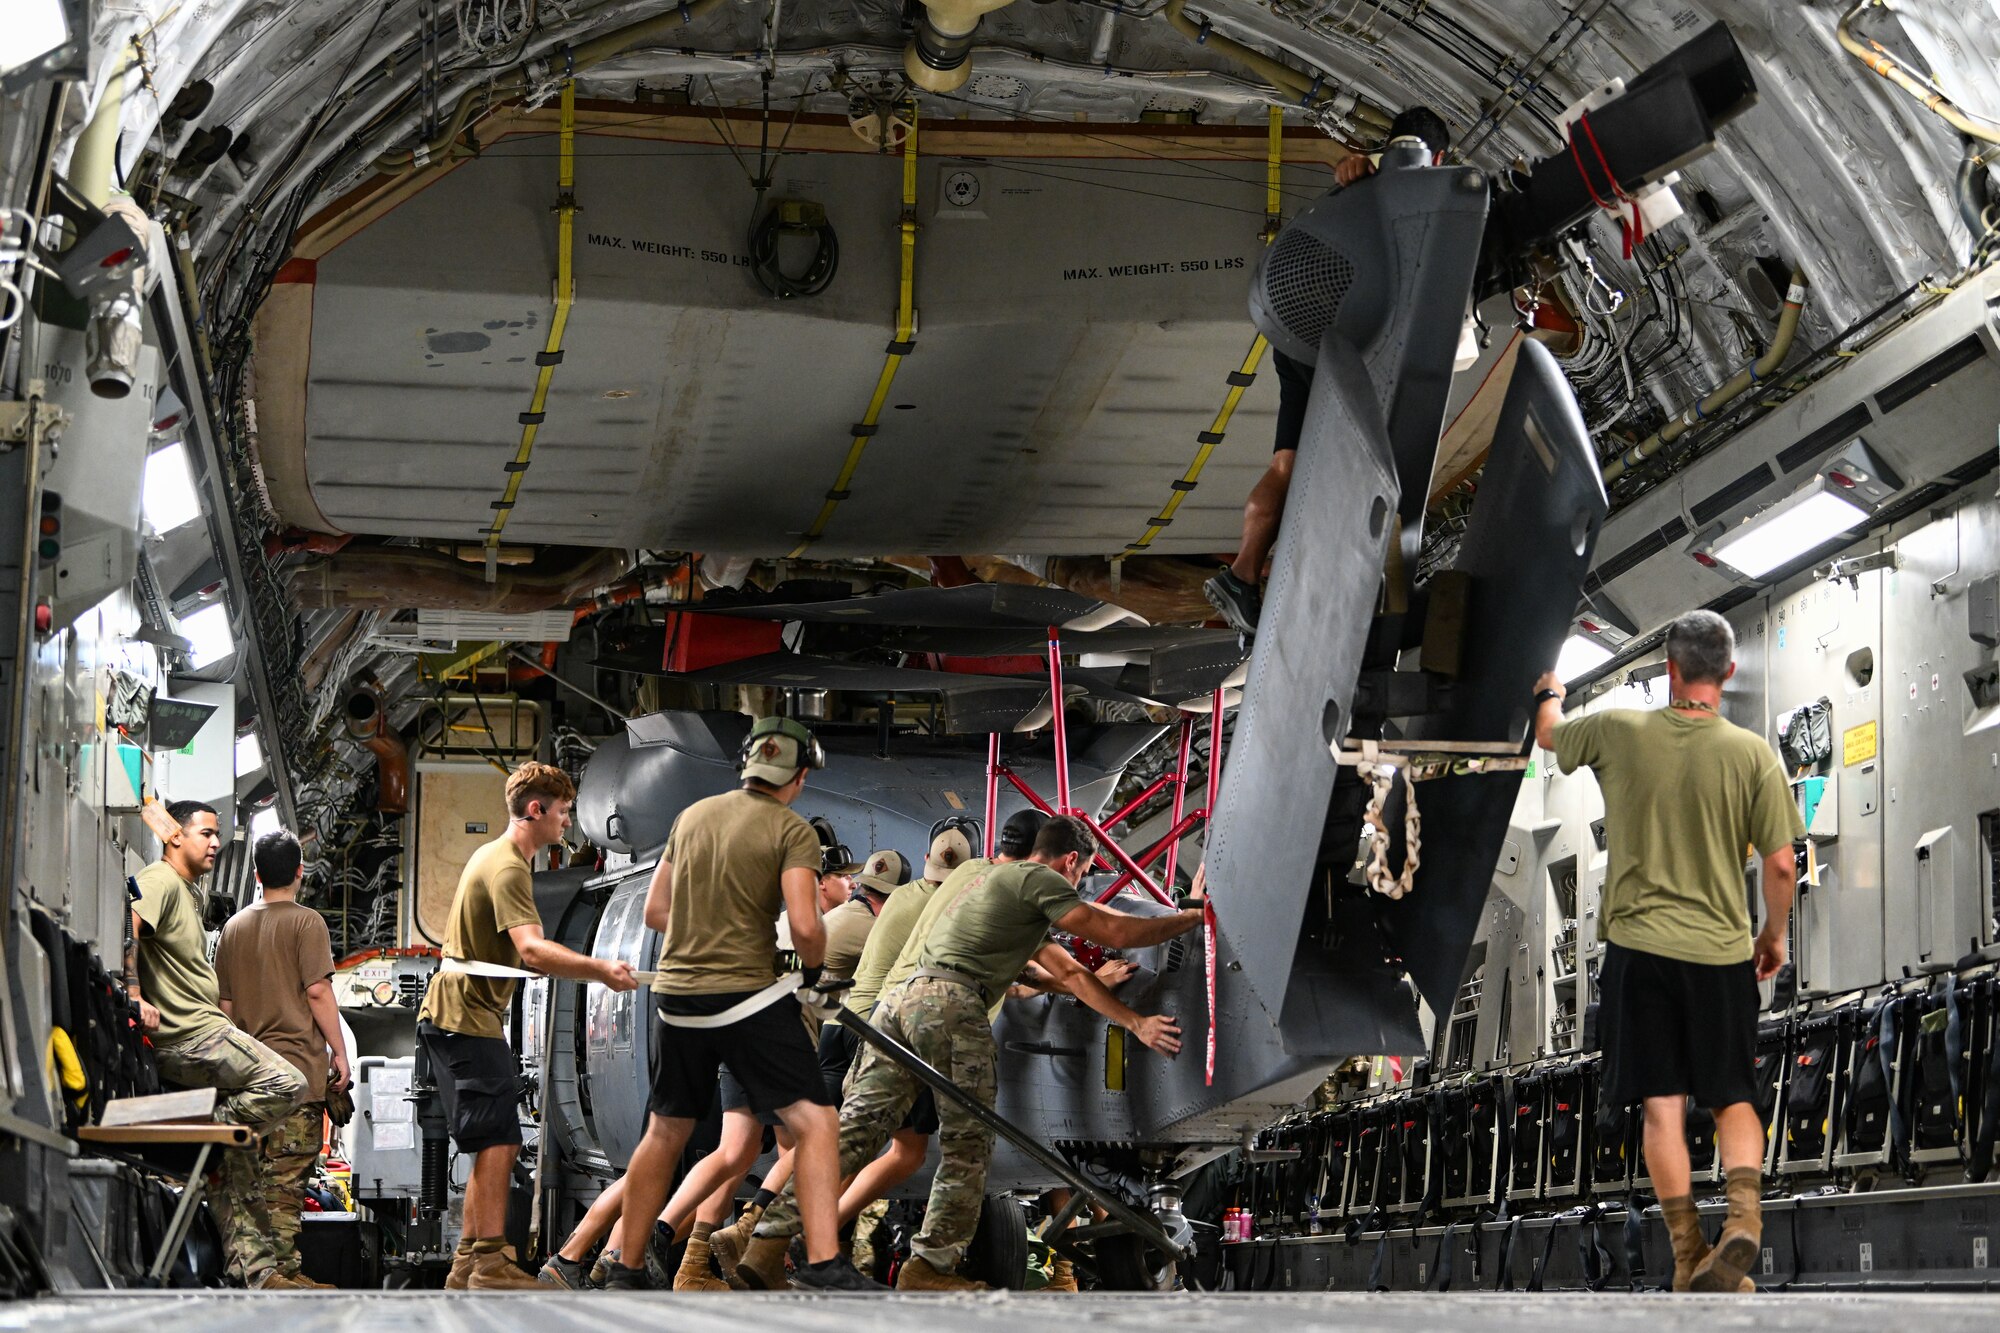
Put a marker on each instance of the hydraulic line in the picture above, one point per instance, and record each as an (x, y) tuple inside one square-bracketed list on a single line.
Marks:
[(902, 346), (1871, 53), (551, 354), (1313, 93), (1244, 375), (1735, 386), (575, 60)]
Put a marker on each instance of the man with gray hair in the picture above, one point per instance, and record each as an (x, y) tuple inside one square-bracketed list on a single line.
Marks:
[(1686, 793)]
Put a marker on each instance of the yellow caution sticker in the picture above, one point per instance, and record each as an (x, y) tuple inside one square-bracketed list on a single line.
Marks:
[(1857, 744)]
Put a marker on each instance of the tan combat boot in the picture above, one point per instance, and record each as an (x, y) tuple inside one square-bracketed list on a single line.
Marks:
[(728, 1243), (693, 1274), (461, 1267), (1684, 1230), (495, 1270), (1727, 1266), (304, 1283), (762, 1267), (919, 1275), (274, 1281), (1062, 1276)]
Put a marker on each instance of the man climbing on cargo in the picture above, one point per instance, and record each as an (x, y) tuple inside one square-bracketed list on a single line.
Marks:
[(494, 937), (1236, 592), (1685, 792), (984, 936), (731, 865), (180, 1003)]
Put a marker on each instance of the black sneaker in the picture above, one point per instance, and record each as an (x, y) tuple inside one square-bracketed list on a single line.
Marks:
[(621, 1278), (836, 1274), (1238, 602), (565, 1274)]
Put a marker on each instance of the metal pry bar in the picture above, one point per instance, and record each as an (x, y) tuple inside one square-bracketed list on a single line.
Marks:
[(1121, 1212)]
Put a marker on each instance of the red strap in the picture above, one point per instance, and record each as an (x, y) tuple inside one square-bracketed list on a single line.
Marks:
[(1633, 232)]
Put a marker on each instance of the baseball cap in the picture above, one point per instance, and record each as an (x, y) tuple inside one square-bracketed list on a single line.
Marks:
[(883, 872), (1017, 835), (949, 850), (777, 748)]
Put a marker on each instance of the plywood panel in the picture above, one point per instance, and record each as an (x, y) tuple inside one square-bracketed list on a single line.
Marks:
[(459, 810)]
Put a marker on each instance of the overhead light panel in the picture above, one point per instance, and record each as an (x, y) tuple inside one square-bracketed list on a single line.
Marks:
[(249, 754), (32, 30), (1787, 530), (264, 821), (169, 500), (1580, 655), (208, 630)]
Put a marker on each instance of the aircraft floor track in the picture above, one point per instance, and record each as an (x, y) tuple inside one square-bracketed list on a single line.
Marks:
[(326, 1312)]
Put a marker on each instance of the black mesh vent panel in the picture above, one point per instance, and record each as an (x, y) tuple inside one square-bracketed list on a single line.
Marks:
[(1305, 281)]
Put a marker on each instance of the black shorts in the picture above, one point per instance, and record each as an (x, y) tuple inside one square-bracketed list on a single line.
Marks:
[(768, 1052), (480, 1082), (838, 1050), (734, 1098), (1671, 1028), (1295, 380)]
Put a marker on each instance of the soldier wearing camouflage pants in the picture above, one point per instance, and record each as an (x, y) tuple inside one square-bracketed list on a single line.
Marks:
[(981, 941), (273, 970)]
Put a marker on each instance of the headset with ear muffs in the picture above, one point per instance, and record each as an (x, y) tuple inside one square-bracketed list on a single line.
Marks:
[(811, 753), (965, 824), (833, 853)]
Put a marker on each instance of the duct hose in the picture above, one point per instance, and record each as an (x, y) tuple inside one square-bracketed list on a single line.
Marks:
[(1728, 391), (1872, 54), (369, 724), (939, 56)]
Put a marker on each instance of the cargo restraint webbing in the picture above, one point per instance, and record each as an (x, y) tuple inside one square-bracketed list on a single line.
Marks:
[(1244, 375), (1119, 1211), (552, 351), (905, 343)]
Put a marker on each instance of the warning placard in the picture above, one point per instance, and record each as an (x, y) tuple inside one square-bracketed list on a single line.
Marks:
[(1857, 744)]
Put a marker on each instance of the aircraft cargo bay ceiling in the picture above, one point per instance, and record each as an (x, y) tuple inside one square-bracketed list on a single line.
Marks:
[(372, 193)]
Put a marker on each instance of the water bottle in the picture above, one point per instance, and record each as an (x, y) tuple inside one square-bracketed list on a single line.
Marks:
[(1313, 1217)]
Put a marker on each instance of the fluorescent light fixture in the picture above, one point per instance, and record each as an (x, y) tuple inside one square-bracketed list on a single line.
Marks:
[(209, 632), (32, 30), (264, 821), (1580, 655), (169, 498), (249, 754), (1787, 530)]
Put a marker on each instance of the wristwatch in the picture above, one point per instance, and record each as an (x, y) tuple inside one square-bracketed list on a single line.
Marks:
[(1542, 695)]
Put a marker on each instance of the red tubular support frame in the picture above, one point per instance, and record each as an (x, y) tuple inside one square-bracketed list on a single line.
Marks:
[(1061, 729), (1180, 798), (992, 789)]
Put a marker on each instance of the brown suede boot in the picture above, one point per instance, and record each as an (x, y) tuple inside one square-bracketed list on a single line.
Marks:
[(728, 1243), (762, 1267), (461, 1267), (1727, 1267), (1062, 1276), (495, 1270), (919, 1275), (693, 1274), (1684, 1230)]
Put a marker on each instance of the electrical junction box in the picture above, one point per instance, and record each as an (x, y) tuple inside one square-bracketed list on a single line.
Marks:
[(1982, 610), (98, 472), (697, 641)]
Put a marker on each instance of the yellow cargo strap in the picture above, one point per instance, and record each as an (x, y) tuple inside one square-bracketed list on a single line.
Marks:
[(905, 343), (1244, 375), (551, 354)]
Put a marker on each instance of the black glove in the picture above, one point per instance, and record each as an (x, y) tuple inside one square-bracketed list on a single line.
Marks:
[(809, 975)]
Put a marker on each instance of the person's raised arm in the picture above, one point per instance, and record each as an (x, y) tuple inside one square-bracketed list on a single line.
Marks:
[(801, 888), (1120, 930), (1159, 1032), (544, 955), (1549, 711)]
